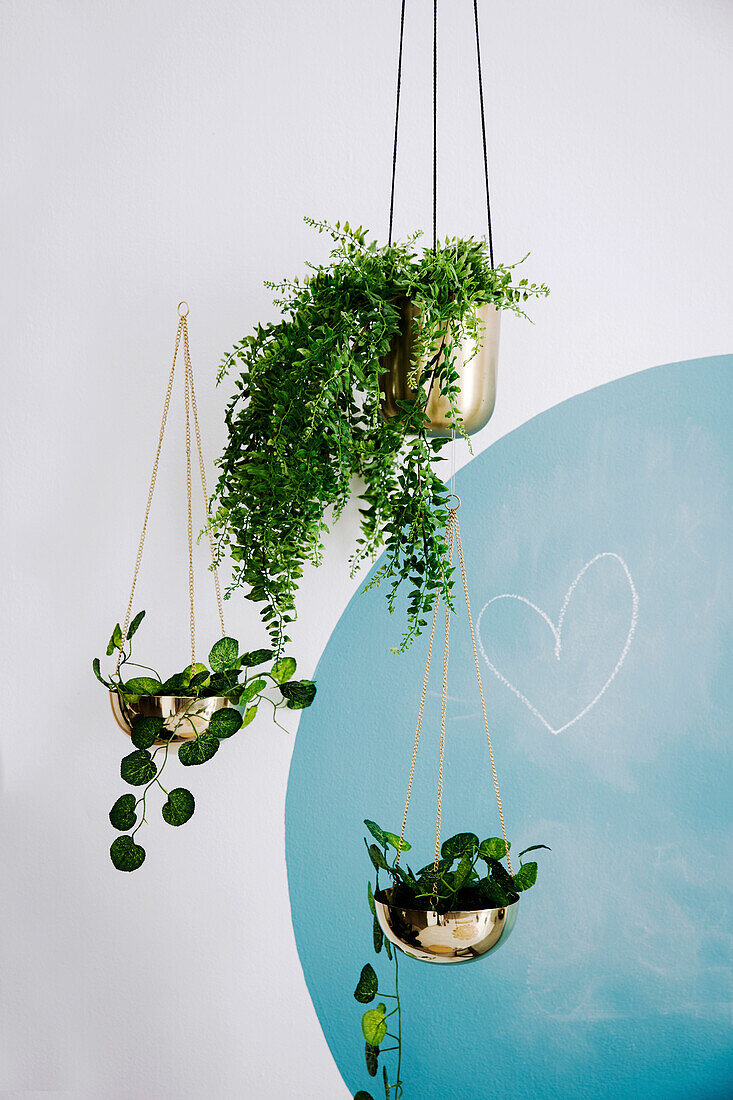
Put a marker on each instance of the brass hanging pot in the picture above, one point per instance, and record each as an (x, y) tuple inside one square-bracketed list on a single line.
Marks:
[(426, 934), (454, 937), (474, 359), (184, 717)]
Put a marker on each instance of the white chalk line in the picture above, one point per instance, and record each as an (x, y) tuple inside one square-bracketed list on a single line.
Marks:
[(557, 633)]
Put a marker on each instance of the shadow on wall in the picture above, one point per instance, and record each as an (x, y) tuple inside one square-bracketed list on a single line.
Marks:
[(595, 541)]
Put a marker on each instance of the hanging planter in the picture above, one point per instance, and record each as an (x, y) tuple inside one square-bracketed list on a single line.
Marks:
[(456, 936), (201, 706), (460, 907), (183, 718), (475, 358), (380, 356), (447, 911)]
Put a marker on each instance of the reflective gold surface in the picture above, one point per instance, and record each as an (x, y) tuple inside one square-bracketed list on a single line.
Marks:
[(461, 936), (476, 375), (183, 716)]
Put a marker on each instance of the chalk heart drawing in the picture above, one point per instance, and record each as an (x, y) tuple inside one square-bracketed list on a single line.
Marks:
[(556, 629)]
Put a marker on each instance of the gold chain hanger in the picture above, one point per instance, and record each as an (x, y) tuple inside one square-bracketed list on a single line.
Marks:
[(452, 537), (191, 413)]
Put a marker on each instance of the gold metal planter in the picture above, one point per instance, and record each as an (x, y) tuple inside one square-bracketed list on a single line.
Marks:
[(456, 937), (476, 375), (183, 716)]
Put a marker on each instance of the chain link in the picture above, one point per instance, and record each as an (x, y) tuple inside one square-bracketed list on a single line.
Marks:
[(191, 413), (481, 693), (188, 502), (192, 391), (452, 538), (166, 405), (449, 536)]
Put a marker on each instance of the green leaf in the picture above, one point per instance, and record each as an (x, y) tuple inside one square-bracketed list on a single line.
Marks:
[(361, 1095), (256, 657), (376, 831), (377, 858), (373, 1024), (146, 731), (225, 722), (115, 641), (142, 685), (500, 874), (224, 655), (298, 693), (174, 685), (98, 673), (494, 896), (253, 688), (198, 679), (283, 669), (462, 872), (367, 986), (525, 877), (138, 768), (135, 624), (249, 716), (198, 751), (534, 848), (179, 807), (462, 844), (371, 1056), (370, 898), (122, 816), (377, 936), (126, 854), (493, 848), (394, 840)]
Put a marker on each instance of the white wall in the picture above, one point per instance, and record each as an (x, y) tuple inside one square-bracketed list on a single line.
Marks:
[(154, 151)]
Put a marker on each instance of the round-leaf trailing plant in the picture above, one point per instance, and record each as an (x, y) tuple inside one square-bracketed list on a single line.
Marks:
[(470, 875), (238, 678), (304, 420)]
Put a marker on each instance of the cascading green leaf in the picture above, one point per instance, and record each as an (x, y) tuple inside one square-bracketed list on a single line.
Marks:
[(138, 768), (304, 421), (367, 985), (122, 816), (226, 680), (126, 854), (224, 723), (179, 806), (374, 1025), (199, 750), (146, 731)]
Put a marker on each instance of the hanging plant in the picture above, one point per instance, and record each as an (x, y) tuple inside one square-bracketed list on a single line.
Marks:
[(308, 416), (194, 709), (470, 891)]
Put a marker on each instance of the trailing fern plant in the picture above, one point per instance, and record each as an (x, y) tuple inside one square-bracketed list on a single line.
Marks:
[(304, 419), (230, 675)]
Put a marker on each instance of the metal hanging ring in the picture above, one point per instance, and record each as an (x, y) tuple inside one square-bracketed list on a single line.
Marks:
[(183, 313), (453, 507)]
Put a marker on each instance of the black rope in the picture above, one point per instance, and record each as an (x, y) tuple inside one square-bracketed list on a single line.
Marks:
[(435, 125), (396, 120), (483, 131)]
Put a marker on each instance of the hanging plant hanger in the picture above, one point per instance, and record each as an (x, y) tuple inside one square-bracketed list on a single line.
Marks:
[(195, 709)]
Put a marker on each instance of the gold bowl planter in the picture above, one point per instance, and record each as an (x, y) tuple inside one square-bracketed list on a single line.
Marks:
[(456, 937), (476, 375), (185, 717)]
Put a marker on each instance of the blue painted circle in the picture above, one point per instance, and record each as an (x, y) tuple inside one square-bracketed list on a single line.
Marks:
[(610, 746)]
